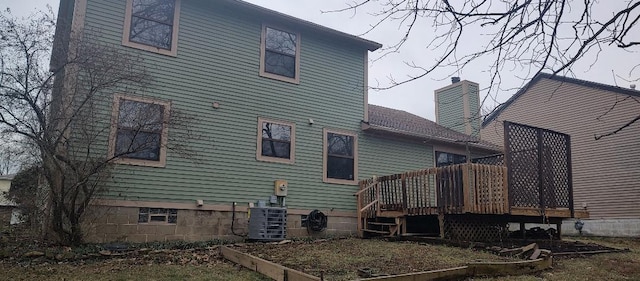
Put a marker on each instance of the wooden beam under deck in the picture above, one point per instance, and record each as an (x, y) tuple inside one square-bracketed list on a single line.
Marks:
[(536, 212)]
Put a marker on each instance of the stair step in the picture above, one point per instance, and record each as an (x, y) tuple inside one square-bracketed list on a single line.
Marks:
[(391, 214), (376, 231), (383, 223)]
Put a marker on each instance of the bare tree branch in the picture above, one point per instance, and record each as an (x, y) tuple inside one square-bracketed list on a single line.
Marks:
[(534, 36)]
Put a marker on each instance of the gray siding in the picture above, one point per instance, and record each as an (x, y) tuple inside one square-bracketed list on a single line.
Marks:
[(605, 172), (474, 109), (450, 108)]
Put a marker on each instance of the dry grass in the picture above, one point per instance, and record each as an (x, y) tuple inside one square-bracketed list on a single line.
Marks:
[(117, 271), (336, 259), (340, 259), (616, 266)]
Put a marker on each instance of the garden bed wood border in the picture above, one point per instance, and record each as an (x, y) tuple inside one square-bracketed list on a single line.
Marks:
[(270, 269), (282, 273)]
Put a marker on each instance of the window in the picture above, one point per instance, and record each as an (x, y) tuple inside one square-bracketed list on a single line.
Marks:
[(152, 25), (280, 55), (276, 141), (157, 215), (340, 157), (139, 131), (446, 159)]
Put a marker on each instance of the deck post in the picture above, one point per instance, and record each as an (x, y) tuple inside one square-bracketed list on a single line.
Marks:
[(359, 211), (523, 230), (403, 178), (505, 190), (466, 188), (378, 199), (441, 223)]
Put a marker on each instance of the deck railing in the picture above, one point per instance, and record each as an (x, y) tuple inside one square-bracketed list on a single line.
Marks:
[(455, 189)]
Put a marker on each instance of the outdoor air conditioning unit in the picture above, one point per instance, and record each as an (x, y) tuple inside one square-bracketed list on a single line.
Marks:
[(268, 224)]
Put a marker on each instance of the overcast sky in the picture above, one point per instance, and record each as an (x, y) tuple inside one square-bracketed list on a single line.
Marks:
[(415, 97)]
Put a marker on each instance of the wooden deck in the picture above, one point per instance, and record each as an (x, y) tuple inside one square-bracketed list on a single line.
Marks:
[(452, 190)]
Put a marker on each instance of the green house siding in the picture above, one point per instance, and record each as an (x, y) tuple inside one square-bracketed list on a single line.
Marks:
[(218, 61), (474, 109), (385, 156), (451, 108)]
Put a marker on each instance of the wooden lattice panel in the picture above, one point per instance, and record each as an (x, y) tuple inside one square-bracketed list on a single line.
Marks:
[(522, 161), (539, 167), (471, 228), (556, 170)]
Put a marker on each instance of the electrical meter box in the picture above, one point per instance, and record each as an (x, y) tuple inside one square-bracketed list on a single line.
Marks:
[(281, 187)]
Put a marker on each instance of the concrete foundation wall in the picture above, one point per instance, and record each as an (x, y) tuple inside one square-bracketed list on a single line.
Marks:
[(108, 224), (604, 227)]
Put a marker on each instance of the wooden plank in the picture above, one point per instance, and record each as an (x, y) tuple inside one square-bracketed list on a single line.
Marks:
[(378, 231), (442, 274), (368, 206), (536, 254), (509, 268), (359, 197), (391, 214), (270, 269), (294, 275), (405, 198), (559, 213), (581, 214), (505, 190), (471, 270), (466, 189), (534, 212), (522, 211)]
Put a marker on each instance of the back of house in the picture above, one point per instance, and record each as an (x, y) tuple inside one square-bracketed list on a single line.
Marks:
[(276, 106)]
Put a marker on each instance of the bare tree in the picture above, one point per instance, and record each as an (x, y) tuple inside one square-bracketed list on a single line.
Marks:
[(528, 36), (64, 110)]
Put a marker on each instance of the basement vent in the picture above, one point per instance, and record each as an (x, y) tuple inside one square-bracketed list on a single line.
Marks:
[(268, 224)]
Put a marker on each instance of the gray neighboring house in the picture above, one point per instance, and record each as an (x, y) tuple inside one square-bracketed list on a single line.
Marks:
[(606, 177)]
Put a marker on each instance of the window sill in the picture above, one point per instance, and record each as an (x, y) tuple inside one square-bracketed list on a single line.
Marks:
[(275, 160), (338, 181), (280, 78), (138, 162), (171, 53)]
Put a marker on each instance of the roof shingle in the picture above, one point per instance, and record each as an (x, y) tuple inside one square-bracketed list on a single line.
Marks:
[(406, 123)]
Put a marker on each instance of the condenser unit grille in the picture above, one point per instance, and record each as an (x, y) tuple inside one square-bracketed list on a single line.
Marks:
[(268, 224)]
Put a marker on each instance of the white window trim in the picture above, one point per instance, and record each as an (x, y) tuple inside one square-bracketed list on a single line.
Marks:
[(174, 35), (263, 45), (292, 154), (163, 137), (325, 155)]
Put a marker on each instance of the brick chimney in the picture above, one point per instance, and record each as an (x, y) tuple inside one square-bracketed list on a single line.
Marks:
[(458, 106)]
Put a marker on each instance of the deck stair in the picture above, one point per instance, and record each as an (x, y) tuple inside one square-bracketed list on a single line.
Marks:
[(385, 227)]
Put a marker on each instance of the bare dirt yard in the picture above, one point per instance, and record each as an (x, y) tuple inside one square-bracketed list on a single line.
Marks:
[(335, 259)]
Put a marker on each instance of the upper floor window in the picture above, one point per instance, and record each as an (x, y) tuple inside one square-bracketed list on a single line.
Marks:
[(152, 25), (340, 157), (139, 131), (276, 141), (280, 55)]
